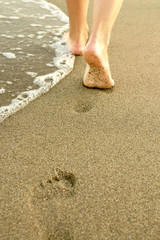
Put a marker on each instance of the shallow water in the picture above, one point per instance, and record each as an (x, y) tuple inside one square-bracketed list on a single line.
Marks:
[(33, 56)]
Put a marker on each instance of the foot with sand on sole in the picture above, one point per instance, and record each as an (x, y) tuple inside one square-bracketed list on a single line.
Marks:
[(97, 74)]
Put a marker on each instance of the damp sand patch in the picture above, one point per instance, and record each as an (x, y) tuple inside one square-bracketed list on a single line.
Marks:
[(33, 55)]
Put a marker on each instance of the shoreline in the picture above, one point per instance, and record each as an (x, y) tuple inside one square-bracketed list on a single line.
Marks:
[(36, 81)]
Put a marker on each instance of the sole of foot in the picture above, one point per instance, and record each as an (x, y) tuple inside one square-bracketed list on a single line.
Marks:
[(97, 74)]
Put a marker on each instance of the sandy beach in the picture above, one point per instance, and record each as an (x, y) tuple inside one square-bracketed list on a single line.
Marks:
[(84, 164)]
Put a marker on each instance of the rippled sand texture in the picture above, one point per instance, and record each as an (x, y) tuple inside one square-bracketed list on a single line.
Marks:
[(33, 56)]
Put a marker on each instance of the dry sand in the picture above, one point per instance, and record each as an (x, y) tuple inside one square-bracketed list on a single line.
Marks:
[(84, 164)]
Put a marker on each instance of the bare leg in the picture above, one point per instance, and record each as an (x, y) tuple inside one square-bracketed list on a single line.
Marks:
[(78, 32), (98, 73)]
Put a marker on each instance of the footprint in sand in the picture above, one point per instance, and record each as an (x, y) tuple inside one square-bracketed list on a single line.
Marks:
[(45, 202), (58, 184), (83, 107)]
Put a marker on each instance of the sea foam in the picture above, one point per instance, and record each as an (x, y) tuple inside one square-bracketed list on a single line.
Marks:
[(62, 61), (9, 55)]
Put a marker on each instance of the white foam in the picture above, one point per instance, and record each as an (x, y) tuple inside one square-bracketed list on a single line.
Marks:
[(30, 55), (48, 26), (30, 35), (14, 17), (20, 36), (49, 64), (7, 36), (41, 32), (39, 37), (18, 10), (29, 87), (44, 16), (32, 74), (64, 61), (8, 82), (9, 55), (2, 16), (35, 25), (27, 1), (2, 90)]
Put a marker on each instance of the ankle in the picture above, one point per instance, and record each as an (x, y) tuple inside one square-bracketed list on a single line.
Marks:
[(79, 34), (96, 41)]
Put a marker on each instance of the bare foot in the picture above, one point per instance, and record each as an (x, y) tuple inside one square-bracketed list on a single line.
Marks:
[(76, 44), (97, 73)]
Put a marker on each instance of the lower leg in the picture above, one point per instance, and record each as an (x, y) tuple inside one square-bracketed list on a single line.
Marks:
[(105, 13), (78, 32), (98, 74)]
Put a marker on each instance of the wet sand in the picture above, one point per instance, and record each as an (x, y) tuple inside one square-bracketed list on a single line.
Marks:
[(31, 36), (84, 164)]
